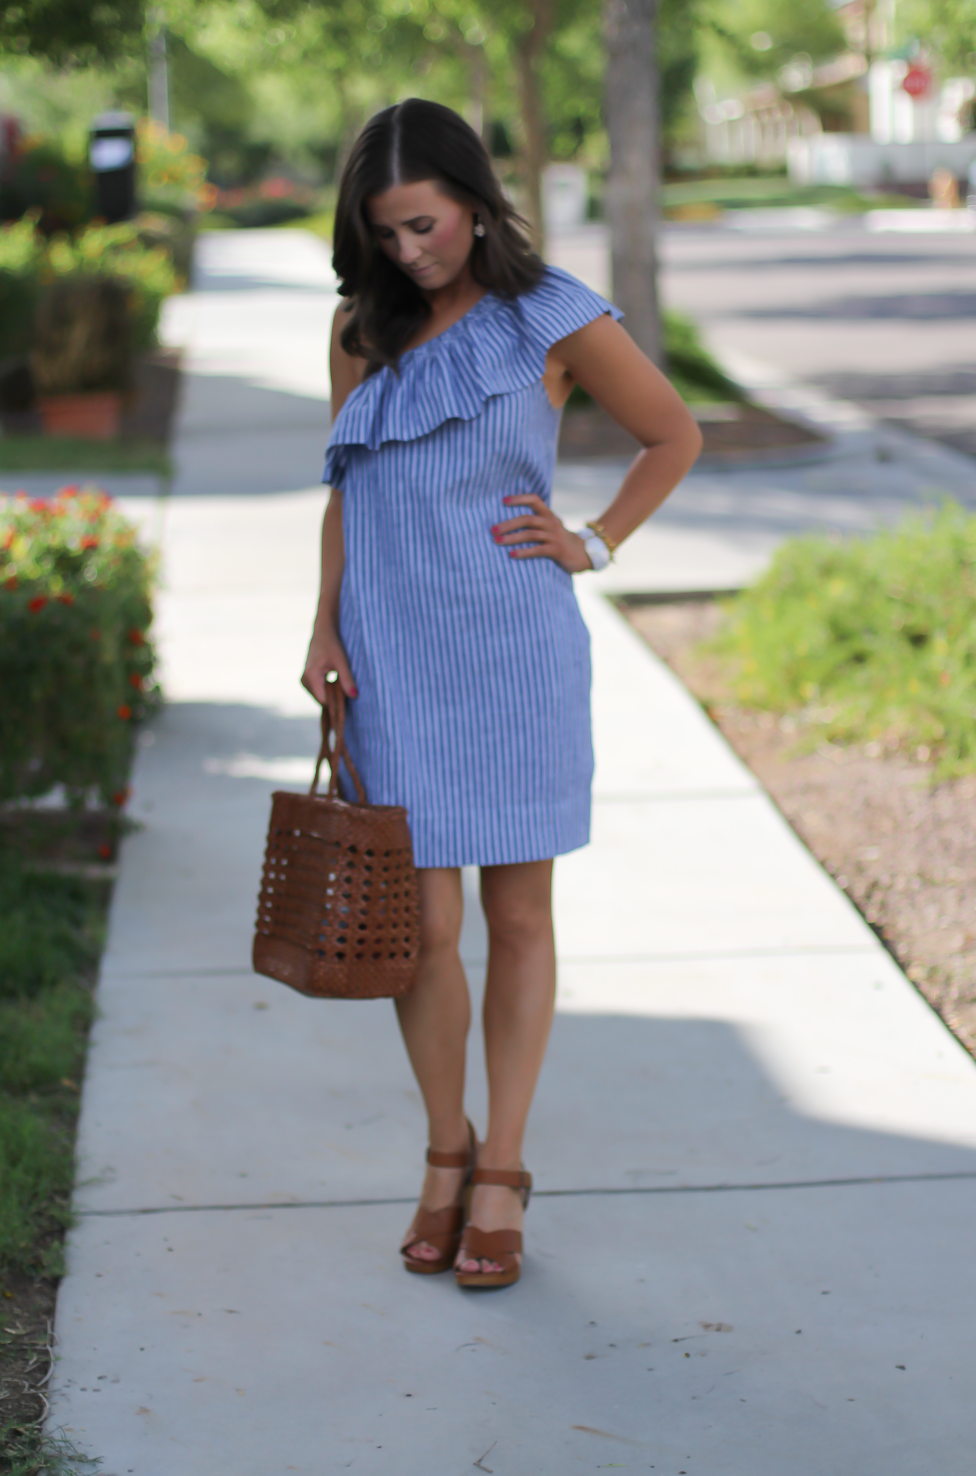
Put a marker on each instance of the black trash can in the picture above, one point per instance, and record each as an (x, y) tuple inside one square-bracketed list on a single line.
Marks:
[(112, 154)]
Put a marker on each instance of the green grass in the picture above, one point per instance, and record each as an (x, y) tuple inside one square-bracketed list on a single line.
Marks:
[(870, 639), (25, 1451), (752, 194), (72, 454), (49, 945)]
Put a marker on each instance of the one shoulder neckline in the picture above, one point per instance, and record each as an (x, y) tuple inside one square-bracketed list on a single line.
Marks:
[(464, 318), (496, 348)]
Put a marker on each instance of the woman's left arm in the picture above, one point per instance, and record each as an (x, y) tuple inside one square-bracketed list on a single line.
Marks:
[(605, 361)]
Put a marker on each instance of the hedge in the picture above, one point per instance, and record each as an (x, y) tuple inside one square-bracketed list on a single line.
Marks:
[(76, 664)]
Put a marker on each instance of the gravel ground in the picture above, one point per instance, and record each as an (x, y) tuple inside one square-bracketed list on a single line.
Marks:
[(901, 846)]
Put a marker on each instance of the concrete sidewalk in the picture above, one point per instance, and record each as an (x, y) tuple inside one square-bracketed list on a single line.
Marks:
[(754, 1144)]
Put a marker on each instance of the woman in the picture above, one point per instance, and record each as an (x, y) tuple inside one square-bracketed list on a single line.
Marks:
[(447, 610)]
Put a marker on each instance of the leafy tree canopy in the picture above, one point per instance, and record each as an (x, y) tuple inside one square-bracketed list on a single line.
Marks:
[(71, 32), (947, 28)]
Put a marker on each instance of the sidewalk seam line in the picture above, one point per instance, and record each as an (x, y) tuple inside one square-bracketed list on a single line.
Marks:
[(649, 1190)]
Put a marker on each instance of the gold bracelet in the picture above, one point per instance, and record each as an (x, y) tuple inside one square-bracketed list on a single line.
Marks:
[(602, 534)]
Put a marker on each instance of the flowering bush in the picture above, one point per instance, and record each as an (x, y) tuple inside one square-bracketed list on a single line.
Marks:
[(76, 665), (168, 172)]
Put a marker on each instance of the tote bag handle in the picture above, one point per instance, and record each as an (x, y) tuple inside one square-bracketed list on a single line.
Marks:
[(334, 744)]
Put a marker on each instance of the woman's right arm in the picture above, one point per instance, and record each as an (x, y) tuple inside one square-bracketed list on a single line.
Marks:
[(326, 652)]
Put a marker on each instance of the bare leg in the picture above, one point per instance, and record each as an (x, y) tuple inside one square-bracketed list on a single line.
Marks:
[(519, 998), (434, 1020)]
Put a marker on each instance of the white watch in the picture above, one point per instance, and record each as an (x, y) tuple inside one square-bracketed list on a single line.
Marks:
[(596, 548)]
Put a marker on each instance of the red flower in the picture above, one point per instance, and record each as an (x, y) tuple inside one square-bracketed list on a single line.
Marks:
[(65, 599), (135, 680), (105, 852), (71, 491), (96, 635), (124, 713), (37, 603), (121, 797), (39, 505), (89, 542), (136, 638), (12, 582)]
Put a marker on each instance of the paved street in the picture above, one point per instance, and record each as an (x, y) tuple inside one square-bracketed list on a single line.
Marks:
[(886, 318), (755, 1145)]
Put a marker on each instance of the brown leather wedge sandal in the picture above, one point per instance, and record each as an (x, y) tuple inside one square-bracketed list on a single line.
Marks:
[(500, 1246), (440, 1228)]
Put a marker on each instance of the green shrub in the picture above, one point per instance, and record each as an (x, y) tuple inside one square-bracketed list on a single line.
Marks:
[(75, 665), (117, 251), (28, 260), (872, 638)]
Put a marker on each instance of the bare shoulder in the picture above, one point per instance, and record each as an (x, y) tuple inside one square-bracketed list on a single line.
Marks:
[(346, 370)]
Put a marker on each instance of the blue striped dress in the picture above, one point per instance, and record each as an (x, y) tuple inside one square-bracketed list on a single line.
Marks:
[(473, 668)]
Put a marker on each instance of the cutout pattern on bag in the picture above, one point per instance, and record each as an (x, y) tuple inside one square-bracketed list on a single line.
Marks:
[(338, 911)]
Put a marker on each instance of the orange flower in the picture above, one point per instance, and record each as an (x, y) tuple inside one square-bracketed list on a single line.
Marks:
[(89, 542), (135, 680), (37, 603), (39, 505), (120, 798), (71, 491), (124, 713), (136, 638)]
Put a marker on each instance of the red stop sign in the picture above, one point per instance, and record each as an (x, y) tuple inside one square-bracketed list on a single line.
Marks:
[(917, 81)]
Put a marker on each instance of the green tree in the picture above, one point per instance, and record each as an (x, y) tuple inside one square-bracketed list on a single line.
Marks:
[(946, 27), (71, 32), (767, 35)]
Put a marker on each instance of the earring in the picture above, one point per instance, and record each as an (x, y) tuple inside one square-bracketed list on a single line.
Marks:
[(479, 229)]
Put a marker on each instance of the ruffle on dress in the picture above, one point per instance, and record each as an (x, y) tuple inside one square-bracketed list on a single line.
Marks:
[(499, 346)]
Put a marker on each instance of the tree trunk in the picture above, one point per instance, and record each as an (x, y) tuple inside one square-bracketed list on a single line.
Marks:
[(528, 51), (632, 190)]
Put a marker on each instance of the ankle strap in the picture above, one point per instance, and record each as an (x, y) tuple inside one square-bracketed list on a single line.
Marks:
[(462, 1160), (507, 1178), (439, 1160)]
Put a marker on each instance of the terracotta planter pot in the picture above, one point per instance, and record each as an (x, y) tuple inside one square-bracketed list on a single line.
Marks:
[(91, 417)]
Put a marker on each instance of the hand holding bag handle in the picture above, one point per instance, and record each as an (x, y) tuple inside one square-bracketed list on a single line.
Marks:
[(336, 751)]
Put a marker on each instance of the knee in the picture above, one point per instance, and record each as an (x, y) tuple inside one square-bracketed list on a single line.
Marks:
[(440, 928), (517, 922)]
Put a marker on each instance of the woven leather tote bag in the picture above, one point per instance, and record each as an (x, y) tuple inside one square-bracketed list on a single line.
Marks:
[(338, 912)]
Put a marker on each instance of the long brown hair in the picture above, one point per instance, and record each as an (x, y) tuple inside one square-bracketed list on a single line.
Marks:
[(406, 144)]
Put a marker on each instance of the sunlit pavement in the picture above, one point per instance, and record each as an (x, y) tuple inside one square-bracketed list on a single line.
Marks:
[(754, 1144)]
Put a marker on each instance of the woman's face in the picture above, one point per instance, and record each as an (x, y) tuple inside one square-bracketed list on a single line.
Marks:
[(424, 231)]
